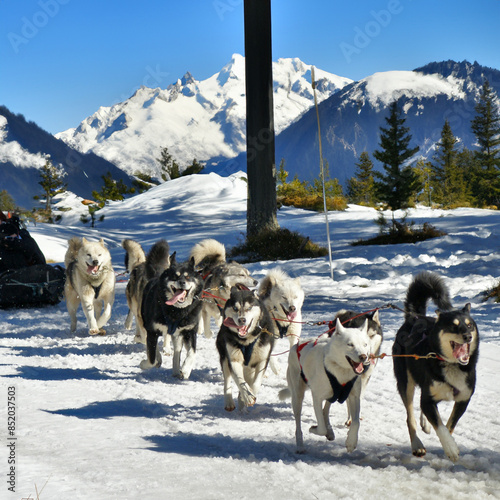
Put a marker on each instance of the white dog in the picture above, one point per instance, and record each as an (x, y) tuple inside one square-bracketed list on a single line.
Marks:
[(330, 368), (283, 297), (90, 279)]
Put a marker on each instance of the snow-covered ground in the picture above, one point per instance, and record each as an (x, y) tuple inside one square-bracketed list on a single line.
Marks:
[(91, 425)]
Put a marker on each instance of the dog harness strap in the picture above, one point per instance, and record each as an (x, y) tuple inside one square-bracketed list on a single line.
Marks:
[(247, 351), (340, 391), (282, 329), (97, 290), (299, 348)]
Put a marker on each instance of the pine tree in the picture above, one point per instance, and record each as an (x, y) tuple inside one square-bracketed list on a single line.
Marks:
[(400, 182), (361, 187), (7, 203), (195, 168), (448, 182), (52, 184), (111, 190), (282, 174), (486, 128), (424, 170), (169, 168)]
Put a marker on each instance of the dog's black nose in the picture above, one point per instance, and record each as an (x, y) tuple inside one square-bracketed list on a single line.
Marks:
[(467, 337), (362, 357), (242, 320), (95, 262), (292, 309)]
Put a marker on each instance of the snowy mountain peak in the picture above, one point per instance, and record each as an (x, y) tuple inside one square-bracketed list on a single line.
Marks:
[(194, 119)]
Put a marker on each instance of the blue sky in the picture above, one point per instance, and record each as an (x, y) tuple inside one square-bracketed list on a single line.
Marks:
[(62, 59)]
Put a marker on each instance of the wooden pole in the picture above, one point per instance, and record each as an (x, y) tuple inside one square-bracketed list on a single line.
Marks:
[(261, 168)]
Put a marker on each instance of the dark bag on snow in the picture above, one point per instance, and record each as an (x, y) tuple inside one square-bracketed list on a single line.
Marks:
[(32, 286)]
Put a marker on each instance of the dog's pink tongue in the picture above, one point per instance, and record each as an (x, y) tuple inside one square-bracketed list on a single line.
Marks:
[(358, 367), (291, 315), (461, 352), (242, 330), (92, 269), (180, 294)]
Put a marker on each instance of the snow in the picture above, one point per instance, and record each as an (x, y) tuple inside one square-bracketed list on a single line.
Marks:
[(384, 87), (91, 424)]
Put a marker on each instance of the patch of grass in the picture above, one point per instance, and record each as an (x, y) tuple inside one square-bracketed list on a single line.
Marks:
[(276, 244), (402, 233), (312, 201)]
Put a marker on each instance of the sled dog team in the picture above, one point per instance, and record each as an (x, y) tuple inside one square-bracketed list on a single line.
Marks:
[(177, 301)]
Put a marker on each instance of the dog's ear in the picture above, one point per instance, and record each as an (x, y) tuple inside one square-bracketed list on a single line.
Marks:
[(265, 287), (338, 327), (297, 280), (233, 290), (172, 259), (84, 240), (191, 263), (376, 317), (364, 328), (466, 308), (101, 241)]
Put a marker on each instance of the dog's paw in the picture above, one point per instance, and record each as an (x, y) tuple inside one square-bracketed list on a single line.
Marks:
[(352, 441), (97, 331), (348, 422), (246, 396), (314, 430), (417, 448), (448, 443), (330, 435), (146, 365)]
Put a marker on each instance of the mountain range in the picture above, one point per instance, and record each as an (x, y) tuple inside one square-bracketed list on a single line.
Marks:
[(24, 147), (194, 119), (206, 120), (351, 118)]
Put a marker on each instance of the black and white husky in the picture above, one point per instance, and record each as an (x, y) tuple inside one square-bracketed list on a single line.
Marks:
[(244, 342), (330, 368), (453, 339), (171, 306), (142, 268)]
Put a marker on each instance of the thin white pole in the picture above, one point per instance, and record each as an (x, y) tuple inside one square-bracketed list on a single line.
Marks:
[(322, 171)]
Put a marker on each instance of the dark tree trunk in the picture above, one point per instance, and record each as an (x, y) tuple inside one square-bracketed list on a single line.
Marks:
[(261, 168)]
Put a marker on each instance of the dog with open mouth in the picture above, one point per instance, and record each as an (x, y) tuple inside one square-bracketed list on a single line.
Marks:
[(244, 343), (439, 355), (330, 367), (142, 268), (219, 277), (171, 306), (90, 280), (353, 319)]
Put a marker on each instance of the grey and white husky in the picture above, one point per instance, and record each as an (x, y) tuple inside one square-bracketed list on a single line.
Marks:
[(244, 343), (219, 277)]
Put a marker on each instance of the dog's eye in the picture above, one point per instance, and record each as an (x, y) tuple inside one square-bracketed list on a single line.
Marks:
[(350, 344), (235, 308)]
